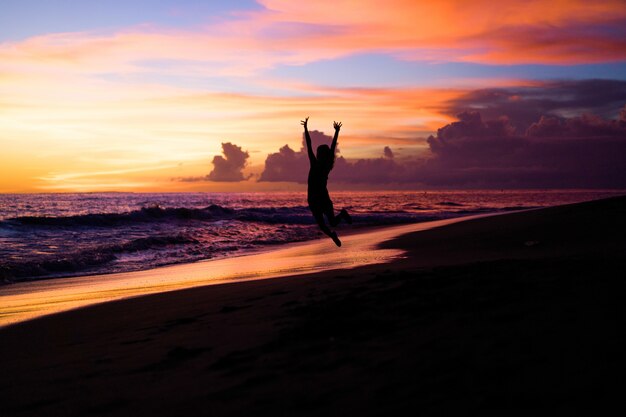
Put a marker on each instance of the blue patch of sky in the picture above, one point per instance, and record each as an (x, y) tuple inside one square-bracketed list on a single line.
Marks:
[(356, 71), (196, 84), (20, 19), (380, 70)]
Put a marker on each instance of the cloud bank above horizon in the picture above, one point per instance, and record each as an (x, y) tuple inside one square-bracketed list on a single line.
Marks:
[(584, 151)]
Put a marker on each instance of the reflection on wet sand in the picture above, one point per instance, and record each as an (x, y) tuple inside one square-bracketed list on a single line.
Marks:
[(28, 300)]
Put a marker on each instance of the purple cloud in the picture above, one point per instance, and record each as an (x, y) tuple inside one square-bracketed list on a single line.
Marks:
[(227, 168), (585, 125), (525, 105), (289, 165), (585, 151)]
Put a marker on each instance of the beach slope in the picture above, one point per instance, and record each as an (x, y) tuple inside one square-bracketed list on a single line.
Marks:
[(504, 315)]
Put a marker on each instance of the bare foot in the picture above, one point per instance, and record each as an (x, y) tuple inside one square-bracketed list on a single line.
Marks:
[(335, 238)]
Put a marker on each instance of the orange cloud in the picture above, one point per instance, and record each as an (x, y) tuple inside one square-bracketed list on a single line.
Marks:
[(511, 31), (291, 33)]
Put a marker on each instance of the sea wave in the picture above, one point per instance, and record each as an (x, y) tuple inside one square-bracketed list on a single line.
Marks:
[(45, 236), (156, 236), (450, 204), (299, 215), (81, 260), (153, 213)]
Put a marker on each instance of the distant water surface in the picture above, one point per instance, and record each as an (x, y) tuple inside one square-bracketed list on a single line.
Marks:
[(52, 235)]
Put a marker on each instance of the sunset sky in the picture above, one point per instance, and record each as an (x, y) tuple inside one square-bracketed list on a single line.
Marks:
[(141, 95)]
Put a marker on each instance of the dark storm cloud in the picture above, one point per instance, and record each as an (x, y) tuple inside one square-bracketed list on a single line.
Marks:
[(558, 152), (525, 105), (583, 151), (581, 126)]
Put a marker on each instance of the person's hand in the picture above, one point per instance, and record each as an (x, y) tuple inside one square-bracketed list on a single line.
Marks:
[(304, 122), (336, 125)]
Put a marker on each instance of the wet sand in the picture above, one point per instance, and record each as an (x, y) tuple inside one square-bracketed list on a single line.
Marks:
[(27, 300), (507, 315)]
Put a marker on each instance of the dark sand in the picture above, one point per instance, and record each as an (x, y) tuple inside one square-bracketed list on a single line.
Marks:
[(508, 315)]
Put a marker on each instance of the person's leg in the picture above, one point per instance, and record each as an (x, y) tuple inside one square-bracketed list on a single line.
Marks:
[(334, 220), (329, 211), (343, 215), (319, 218)]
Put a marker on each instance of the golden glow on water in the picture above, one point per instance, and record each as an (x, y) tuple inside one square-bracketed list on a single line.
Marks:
[(28, 300)]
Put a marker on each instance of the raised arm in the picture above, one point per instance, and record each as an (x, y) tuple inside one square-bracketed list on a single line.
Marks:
[(309, 147), (337, 126)]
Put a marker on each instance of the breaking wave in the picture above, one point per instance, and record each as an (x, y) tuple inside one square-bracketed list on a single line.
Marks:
[(53, 235)]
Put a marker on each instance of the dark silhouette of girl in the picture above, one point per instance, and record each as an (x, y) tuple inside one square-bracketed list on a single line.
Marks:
[(317, 196)]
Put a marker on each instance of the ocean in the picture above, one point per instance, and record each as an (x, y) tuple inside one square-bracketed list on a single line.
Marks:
[(64, 235)]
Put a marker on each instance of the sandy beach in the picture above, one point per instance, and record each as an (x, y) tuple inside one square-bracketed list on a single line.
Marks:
[(507, 315)]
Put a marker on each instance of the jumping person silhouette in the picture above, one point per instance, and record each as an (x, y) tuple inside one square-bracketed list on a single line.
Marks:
[(317, 193)]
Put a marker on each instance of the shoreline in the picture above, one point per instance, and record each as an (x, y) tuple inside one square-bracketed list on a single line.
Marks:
[(346, 230), (27, 300), (504, 315), (148, 230)]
